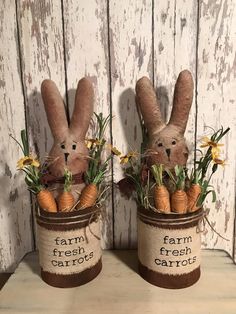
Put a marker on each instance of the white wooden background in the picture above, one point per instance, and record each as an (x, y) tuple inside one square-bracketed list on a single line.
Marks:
[(114, 43)]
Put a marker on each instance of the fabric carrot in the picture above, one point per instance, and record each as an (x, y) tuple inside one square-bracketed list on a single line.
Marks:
[(88, 196), (96, 168), (179, 199), (161, 194), (66, 200), (179, 202), (46, 201), (194, 193)]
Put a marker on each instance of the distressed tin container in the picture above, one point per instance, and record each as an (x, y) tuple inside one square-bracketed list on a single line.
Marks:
[(69, 247), (169, 248)]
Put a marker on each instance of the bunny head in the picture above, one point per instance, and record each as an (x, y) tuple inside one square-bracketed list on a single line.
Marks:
[(69, 150), (166, 141)]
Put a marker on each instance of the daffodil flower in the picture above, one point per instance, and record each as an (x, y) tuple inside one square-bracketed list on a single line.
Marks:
[(114, 150), (126, 158), (215, 147), (215, 153), (133, 154), (90, 143), (219, 161), (27, 161), (206, 142)]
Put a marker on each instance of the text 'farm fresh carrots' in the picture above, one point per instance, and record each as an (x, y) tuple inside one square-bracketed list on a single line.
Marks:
[(161, 194)]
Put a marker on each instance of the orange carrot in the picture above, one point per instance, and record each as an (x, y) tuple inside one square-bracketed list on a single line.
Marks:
[(66, 200), (179, 202), (46, 201), (161, 194), (162, 198), (193, 194), (88, 196), (179, 199)]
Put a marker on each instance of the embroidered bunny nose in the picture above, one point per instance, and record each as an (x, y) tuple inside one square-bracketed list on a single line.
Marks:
[(66, 156), (168, 153)]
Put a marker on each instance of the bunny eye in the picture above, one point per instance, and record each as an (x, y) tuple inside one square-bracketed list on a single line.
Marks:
[(173, 142), (63, 146), (74, 146), (159, 145)]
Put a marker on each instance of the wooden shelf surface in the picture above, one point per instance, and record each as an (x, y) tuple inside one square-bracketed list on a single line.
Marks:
[(119, 289)]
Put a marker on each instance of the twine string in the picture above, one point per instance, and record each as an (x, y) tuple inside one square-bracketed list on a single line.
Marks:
[(99, 213), (170, 221), (201, 226), (202, 222)]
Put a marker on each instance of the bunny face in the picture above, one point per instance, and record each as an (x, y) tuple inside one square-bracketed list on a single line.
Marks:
[(168, 148), (166, 145), (68, 153), (69, 150)]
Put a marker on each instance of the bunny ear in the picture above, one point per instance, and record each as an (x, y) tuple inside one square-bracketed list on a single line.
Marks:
[(183, 98), (83, 109), (55, 109), (149, 105)]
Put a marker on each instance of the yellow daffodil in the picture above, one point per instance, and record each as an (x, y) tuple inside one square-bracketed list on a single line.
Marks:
[(215, 147), (90, 143), (126, 158), (219, 161), (27, 161), (206, 142), (133, 154), (215, 153), (114, 150)]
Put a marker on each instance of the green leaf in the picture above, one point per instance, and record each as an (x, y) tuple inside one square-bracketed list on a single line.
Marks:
[(213, 196), (214, 168), (24, 140)]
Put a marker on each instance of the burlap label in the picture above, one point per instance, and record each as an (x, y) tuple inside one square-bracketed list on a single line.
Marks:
[(68, 252), (168, 251)]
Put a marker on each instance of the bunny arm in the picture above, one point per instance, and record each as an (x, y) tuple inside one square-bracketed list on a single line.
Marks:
[(83, 109), (183, 97), (149, 106), (55, 110)]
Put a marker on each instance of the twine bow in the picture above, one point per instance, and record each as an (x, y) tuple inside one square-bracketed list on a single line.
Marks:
[(204, 220)]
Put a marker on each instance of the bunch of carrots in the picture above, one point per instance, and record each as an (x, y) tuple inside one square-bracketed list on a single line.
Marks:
[(171, 190), (181, 200)]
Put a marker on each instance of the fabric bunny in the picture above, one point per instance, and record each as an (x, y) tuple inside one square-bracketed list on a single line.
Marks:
[(166, 141), (69, 150)]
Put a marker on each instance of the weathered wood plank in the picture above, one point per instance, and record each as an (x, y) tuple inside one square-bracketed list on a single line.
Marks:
[(131, 58), (15, 209), (217, 107), (42, 53), (86, 45), (175, 33), (42, 57)]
